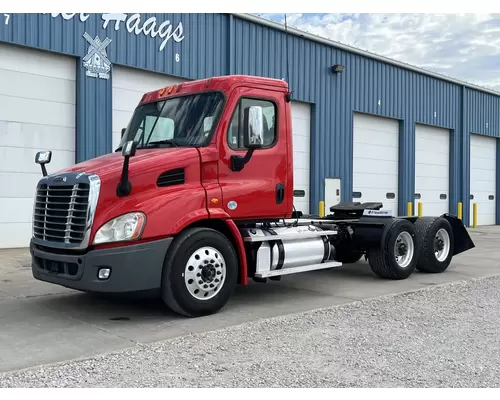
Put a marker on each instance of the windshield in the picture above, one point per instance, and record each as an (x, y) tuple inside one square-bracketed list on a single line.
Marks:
[(178, 121)]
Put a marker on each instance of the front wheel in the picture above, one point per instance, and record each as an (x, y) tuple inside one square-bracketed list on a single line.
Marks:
[(200, 272)]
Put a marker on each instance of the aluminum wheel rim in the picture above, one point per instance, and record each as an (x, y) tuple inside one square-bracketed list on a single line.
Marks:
[(205, 273), (442, 245), (404, 249)]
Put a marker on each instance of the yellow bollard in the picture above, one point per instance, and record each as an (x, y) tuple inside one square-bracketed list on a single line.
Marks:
[(474, 215), (419, 209), (459, 210), (321, 209), (410, 208)]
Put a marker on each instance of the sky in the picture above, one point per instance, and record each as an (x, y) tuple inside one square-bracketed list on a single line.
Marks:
[(462, 46)]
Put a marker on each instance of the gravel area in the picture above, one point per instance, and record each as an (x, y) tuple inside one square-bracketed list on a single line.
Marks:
[(442, 336)]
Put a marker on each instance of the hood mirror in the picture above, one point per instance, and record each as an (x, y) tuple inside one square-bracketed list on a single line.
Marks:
[(42, 158), (124, 186), (129, 149)]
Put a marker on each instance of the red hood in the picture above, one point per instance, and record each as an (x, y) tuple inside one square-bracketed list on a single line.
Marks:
[(112, 164)]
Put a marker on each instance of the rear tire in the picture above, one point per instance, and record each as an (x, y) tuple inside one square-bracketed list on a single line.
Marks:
[(436, 242), (397, 256), (200, 273)]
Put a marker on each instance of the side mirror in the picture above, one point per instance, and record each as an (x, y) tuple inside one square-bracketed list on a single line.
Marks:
[(129, 149), (253, 136), (42, 158), (253, 127), (123, 131)]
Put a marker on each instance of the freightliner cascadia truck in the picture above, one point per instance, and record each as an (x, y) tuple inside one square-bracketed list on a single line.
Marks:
[(199, 197)]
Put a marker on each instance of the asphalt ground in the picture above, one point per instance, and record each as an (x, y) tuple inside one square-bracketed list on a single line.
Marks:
[(441, 336), (43, 323)]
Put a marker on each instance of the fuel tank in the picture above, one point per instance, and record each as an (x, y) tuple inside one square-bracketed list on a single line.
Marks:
[(282, 254)]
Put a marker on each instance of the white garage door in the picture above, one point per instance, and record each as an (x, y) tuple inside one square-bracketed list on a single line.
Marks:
[(483, 151), (375, 160), (301, 129), (37, 112), (432, 169), (129, 85)]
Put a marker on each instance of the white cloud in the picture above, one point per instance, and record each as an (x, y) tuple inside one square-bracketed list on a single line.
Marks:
[(463, 46)]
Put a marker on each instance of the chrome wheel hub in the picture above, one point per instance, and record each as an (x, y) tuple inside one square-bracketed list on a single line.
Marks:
[(404, 249), (442, 245), (205, 273)]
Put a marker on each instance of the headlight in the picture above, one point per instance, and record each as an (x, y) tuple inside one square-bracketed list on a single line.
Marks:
[(125, 227)]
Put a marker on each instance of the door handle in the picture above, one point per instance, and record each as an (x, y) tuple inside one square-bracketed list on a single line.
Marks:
[(280, 193)]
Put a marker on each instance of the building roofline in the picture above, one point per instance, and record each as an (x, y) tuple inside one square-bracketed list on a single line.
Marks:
[(365, 53)]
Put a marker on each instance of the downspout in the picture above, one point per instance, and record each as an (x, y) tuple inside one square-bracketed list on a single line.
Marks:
[(230, 52), (464, 165)]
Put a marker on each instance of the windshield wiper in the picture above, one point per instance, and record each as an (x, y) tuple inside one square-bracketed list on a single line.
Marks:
[(152, 144), (160, 142)]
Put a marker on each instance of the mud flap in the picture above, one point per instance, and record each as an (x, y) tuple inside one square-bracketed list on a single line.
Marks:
[(463, 241)]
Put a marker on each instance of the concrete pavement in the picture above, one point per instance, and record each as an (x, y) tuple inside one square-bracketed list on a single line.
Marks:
[(43, 323)]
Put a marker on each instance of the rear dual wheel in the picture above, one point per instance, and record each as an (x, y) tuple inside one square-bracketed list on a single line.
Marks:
[(436, 241), (200, 272), (397, 256), (427, 245)]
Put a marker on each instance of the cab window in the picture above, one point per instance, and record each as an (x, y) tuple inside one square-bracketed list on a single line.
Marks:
[(235, 131)]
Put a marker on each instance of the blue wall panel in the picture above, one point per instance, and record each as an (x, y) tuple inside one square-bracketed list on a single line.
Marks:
[(219, 44)]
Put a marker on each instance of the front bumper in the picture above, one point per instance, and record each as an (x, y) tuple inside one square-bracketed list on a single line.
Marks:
[(134, 268)]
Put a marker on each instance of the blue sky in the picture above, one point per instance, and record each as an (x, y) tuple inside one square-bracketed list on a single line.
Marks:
[(463, 46)]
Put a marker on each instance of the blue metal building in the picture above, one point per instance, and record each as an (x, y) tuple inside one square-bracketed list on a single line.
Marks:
[(191, 46)]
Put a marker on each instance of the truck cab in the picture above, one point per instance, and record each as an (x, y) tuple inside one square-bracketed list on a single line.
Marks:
[(190, 164), (197, 198)]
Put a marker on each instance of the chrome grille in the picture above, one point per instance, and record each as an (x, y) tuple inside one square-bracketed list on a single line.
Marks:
[(61, 212)]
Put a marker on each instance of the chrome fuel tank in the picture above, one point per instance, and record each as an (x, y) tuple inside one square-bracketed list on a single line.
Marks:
[(283, 254)]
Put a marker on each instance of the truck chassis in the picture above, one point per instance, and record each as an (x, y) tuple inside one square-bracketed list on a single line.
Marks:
[(201, 268)]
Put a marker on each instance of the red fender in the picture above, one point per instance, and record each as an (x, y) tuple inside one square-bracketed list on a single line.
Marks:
[(241, 250)]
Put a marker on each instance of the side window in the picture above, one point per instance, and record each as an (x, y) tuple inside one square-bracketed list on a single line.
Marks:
[(235, 131)]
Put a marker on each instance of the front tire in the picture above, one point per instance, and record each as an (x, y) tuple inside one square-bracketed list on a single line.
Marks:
[(397, 256), (200, 273)]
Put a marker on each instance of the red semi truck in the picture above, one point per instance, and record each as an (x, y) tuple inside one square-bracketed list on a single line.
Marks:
[(199, 197)]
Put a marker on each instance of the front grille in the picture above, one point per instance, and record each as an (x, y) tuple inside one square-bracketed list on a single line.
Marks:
[(60, 213)]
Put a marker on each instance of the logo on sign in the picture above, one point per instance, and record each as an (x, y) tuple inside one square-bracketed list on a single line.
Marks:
[(96, 61), (378, 213), (151, 27)]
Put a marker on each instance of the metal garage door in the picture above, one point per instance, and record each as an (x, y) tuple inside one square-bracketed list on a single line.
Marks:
[(432, 169), (301, 129), (375, 160), (483, 151), (129, 85), (37, 112)]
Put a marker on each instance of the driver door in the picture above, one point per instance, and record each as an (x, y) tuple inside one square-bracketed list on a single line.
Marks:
[(258, 190)]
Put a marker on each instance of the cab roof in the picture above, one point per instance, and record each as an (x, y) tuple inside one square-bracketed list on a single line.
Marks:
[(222, 83)]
